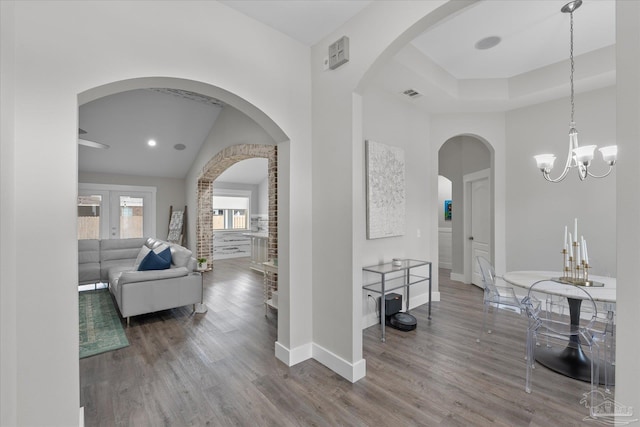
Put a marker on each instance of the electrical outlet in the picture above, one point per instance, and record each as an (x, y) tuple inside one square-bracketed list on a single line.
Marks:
[(418, 233)]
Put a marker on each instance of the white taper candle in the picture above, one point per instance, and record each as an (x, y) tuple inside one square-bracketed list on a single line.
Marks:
[(570, 245)]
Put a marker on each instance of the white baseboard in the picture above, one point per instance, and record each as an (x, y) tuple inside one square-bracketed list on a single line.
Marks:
[(351, 371), (457, 277), (295, 356), (445, 265), (81, 424)]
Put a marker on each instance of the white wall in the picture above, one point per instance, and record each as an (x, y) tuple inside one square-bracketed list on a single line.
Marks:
[(169, 191), (628, 203), (263, 197), (41, 44), (337, 113), (392, 121), (537, 210), (8, 240)]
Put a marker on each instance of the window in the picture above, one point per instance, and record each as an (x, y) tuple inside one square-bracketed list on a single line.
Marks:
[(231, 212)]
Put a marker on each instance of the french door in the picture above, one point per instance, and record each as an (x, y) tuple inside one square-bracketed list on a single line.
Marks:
[(116, 211)]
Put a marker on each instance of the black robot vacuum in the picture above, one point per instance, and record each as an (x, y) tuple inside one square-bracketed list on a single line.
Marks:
[(403, 321), (393, 317)]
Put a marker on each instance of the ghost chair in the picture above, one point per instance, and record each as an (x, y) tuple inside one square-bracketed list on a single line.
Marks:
[(496, 296), (566, 331)]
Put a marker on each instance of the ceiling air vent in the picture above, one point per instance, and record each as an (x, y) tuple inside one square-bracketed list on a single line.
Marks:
[(411, 93)]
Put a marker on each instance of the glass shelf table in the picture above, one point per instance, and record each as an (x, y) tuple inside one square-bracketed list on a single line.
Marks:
[(393, 277)]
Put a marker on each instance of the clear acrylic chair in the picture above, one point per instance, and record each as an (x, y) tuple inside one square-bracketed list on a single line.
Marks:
[(603, 332), (496, 296), (561, 327)]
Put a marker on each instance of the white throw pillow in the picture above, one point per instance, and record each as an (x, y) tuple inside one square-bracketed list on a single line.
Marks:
[(180, 255)]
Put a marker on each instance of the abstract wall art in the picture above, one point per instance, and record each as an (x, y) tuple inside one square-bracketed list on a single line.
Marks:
[(385, 190)]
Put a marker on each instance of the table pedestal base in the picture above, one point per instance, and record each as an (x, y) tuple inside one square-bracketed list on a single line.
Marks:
[(571, 362)]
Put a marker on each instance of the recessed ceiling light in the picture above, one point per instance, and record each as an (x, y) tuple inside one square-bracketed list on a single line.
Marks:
[(179, 147), (487, 42), (151, 143)]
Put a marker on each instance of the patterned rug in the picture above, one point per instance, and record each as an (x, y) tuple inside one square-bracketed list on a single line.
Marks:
[(100, 326)]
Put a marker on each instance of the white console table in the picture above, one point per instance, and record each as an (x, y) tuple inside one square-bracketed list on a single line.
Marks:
[(394, 277)]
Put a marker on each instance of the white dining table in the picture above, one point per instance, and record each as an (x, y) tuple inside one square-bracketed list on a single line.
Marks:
[(524, 279), (571, 360)]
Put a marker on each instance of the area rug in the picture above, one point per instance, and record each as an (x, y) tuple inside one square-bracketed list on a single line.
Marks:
[(100, 327)]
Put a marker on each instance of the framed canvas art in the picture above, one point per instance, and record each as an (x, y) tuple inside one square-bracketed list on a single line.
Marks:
[(385, 190), (447, 210)]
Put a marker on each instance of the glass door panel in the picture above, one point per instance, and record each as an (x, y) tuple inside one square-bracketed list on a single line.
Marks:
[(93, 214), (131, 217), (132, 213)]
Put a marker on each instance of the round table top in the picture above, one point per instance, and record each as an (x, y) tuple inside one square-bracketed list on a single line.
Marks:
[(524, 279)]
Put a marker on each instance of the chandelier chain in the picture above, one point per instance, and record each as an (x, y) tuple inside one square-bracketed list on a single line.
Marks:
[(572, 69)]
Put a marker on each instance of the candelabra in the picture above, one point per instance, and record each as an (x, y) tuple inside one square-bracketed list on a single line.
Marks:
[(576, 272)]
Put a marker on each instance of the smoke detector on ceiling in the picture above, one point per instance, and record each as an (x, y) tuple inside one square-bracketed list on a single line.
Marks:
[(412, 93)]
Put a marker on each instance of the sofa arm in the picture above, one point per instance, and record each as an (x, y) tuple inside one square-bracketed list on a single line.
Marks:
[(133, 276)]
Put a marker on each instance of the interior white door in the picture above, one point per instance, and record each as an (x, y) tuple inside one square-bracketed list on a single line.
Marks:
[(480, 231)]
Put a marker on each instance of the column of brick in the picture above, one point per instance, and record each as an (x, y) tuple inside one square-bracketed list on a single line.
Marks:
[(273, 210)]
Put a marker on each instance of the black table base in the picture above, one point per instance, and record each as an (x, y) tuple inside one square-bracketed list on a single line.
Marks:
[(571, 362)]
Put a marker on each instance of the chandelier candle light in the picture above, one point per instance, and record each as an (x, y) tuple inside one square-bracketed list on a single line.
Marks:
[(577, 157), (575, 259)]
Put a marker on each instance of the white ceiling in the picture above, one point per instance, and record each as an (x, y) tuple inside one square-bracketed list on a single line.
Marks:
[(534, 34), (126, 121), (307, 21), (529, 65)]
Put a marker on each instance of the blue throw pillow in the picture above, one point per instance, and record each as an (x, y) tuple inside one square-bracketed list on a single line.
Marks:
[(153, 261)]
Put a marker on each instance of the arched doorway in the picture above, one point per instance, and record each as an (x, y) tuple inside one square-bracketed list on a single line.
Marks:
[(466, 159), (206, 168), (214, 167)]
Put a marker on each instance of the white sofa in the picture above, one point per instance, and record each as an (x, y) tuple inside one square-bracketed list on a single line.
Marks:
[(140, 292)]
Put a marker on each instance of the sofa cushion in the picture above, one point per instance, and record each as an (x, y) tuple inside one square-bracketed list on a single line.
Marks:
[(156, 261), (131, 276), (179, 255)]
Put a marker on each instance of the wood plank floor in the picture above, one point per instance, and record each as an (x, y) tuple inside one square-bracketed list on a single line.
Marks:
[(219, 369)]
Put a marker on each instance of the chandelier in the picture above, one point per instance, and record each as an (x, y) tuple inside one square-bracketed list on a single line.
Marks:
[(577, 157)]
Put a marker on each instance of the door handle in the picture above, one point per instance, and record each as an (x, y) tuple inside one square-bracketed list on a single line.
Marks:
[(470, 237)]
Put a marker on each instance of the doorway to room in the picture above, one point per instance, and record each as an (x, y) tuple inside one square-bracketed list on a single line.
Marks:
[(466, 161)]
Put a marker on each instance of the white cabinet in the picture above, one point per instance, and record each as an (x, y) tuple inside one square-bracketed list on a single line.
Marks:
[(230, 244)]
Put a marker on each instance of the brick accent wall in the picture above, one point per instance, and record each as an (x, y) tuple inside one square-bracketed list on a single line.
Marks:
[(214, 167)]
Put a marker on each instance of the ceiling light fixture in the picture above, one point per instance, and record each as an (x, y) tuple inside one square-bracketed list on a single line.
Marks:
[(579, 157), (151, 143)]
